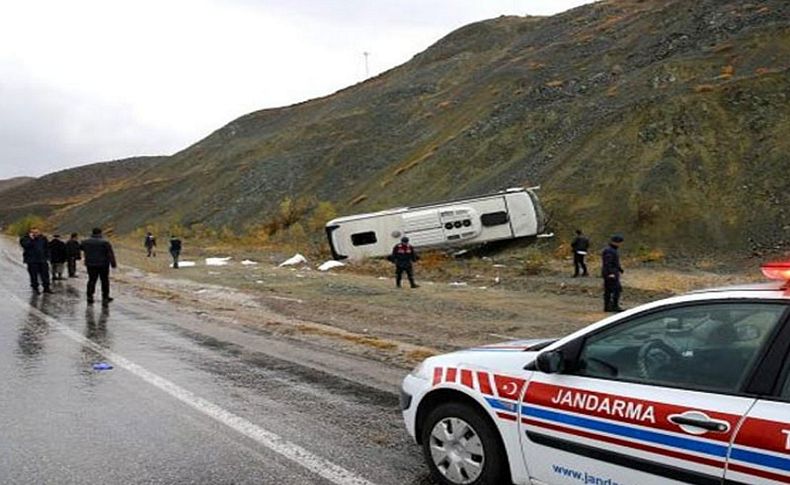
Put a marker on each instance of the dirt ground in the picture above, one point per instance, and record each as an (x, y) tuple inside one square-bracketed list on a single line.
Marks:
[(358, 310)]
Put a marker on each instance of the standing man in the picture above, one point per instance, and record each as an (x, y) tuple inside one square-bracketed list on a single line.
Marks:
[(175, 249), (403, 255), (57, 256), (611, 271), (580, 245), (73, 254), (36, 256), (150, 244), (99, 257)]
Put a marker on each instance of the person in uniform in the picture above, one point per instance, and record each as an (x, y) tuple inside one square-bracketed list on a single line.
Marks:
[(99, 257), (36, 256), (175, 250), (580, 245), (611, 271), (73, 254), (403, 256), (57, 257), (150, 244)]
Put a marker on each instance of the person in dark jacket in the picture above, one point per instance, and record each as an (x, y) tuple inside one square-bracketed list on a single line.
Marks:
[(403, 255), (36, 256), (73, 254), (150, 244), (99, 257), (57, 257), (175, 250), (580, 245), (611, 271)]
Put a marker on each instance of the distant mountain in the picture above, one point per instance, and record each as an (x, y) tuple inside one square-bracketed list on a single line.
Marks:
[(66, 190), (13, 182), (663, 119)]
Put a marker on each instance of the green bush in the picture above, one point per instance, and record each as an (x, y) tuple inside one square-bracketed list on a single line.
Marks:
[(23, 226)]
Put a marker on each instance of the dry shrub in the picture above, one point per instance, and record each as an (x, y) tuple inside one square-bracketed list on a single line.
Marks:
[(728, 70), (704, 88), (562, 250), (432, 260), (535, 262), (358, 199), (612, 91), (554, 84)]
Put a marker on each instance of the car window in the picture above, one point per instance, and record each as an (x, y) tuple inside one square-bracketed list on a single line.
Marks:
[(786, 388), (706, 347)]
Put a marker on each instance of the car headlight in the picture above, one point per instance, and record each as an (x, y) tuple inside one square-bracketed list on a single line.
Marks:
[(422, 371)]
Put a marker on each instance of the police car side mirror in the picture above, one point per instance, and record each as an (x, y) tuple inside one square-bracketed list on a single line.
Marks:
[(551, 362)]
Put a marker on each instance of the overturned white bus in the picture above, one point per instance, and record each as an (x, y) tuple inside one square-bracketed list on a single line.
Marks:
[(509, 214)]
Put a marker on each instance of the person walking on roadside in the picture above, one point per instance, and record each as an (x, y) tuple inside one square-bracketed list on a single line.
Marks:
[(611, 271), (580, 245), (403, 255), (150, 244), (175, 250), (57, 257), (36, 256), (73, 254), (99, 257)]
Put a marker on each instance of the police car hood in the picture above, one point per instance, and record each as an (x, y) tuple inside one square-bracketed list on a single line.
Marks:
[(502, 357)]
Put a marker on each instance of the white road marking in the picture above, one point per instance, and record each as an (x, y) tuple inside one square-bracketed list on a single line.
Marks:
[(316, 464)]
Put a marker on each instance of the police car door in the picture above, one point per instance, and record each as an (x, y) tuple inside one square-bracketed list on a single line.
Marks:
[(652, 399), (761, 452)]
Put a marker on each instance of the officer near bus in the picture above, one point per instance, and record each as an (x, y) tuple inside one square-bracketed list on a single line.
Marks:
[(579, 246), (403, 256), (611, 271)]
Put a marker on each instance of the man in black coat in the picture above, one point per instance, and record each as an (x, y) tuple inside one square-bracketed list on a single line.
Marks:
[(73, 254), (99, 257), (611, 271), (36, 256), (57, 257), (175, 249), (403, 255), (580, 245)]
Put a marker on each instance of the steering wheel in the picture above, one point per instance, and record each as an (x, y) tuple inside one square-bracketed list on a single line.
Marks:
[(653, 355)]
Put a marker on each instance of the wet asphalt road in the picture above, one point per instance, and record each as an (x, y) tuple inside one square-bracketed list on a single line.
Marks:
[(181, 405)]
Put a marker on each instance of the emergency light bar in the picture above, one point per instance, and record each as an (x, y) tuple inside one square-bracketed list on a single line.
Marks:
[(777, 270)]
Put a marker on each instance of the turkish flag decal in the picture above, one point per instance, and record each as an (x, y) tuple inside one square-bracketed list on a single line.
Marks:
[(508, 387)]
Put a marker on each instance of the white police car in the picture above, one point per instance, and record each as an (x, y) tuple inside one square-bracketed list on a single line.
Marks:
[(691, 389)]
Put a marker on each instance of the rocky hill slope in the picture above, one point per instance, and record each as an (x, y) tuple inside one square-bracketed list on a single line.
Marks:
[(13, 182), (664, 119)]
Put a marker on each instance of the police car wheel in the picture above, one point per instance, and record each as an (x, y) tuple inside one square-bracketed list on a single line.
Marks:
[(462, 447)]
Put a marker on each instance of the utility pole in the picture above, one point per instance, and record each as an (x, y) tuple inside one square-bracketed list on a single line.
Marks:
[(367, 67)]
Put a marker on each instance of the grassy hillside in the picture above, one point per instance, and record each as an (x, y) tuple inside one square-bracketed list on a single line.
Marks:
[(662, 119), (13, 182)]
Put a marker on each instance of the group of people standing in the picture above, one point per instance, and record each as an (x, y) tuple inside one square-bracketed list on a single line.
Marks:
[(175, 247), (610, 267), (43, 255)]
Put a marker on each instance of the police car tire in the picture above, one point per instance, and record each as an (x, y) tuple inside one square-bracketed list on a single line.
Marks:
[(495, 465)]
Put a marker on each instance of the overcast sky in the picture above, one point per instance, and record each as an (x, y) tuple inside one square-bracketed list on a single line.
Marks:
[(92, 80)]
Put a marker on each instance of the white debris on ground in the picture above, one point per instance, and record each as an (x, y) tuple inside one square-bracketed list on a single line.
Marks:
[(499, 266), (294, 260), (326, 266), (218, 261), (249, 262), (458, 284), (185, 264)]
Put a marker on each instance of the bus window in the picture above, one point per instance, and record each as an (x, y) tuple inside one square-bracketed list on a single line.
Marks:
[(363, 238), (494, 218)]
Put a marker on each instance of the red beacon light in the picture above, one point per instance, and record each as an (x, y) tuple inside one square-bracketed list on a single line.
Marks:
[(779, 271)]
